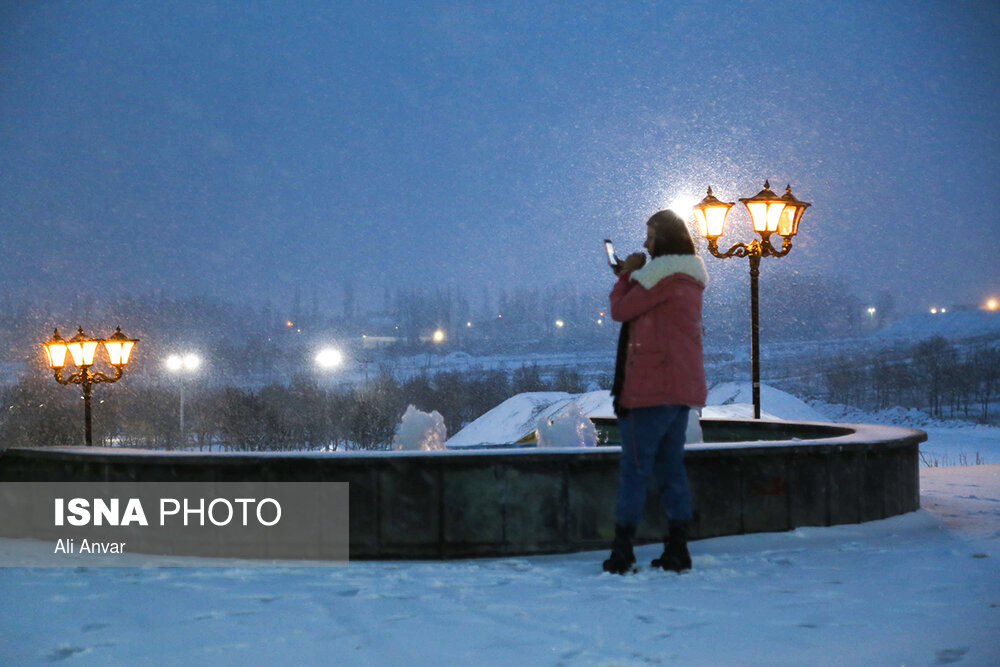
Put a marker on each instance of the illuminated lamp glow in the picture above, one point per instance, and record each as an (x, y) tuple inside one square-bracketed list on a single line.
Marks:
[(55, 350), (710, 213), (329, 358), (765, 209), (82, 348), (119, 347)]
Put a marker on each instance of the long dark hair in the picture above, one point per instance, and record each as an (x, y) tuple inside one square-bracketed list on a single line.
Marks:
[(672, 235)]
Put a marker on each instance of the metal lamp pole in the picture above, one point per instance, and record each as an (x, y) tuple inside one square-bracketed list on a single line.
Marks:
[(770, 214), (185, 365)]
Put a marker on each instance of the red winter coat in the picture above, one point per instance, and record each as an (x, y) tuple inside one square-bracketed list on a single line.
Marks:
[(662, 304)]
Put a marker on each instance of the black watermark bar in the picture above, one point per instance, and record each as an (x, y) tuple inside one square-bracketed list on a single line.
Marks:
[(140, 523)]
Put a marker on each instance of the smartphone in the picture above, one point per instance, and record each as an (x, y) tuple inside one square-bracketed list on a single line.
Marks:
[(609, 248)]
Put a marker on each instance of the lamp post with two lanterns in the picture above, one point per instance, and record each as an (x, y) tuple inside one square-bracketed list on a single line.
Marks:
[(82, 349), (770, 214)]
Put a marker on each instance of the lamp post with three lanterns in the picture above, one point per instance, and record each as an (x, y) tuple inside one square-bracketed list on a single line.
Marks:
[(82, 349), (770, 214)]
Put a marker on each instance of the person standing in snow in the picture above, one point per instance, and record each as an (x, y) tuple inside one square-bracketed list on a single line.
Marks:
[(659, 376)]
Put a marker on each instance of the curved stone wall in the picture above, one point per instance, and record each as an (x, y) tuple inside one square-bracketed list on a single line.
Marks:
[(526, 501)]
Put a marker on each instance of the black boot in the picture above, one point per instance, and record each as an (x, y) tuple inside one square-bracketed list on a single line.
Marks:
[(622, 558), (675, 556)]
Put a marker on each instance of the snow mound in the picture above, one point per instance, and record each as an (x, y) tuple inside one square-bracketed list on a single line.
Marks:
[(734, 400), (520, 415), (418, 430), (567, 428)]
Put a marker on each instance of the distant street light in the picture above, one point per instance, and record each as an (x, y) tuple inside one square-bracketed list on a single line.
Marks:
[(329, 358), (560, 324), (438, 336), (82, 349), (769, 214), (186, 364), (992, 304)]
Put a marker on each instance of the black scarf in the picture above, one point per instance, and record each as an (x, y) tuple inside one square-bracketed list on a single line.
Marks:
[(619, 381)]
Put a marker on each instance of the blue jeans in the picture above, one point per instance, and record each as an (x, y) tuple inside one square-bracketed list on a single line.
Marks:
[(653, 442)]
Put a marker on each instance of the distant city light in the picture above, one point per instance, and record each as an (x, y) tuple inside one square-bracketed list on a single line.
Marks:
[(438, 336), (560, 324), (992, 304), (329, 358), (871, 311), (601, 321), (289, 323), (468, 324), (934, 311)]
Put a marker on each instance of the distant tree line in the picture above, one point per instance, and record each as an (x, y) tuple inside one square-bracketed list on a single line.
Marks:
[(300, 415), (933, 375)]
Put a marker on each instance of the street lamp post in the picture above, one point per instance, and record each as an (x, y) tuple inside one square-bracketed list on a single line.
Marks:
[(188, 364), (770, 214), (82, 349)]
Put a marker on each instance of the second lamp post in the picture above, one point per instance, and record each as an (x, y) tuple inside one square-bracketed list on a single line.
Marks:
[(770, 214)]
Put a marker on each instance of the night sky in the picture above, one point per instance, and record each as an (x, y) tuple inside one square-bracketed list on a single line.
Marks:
[(249, 150)]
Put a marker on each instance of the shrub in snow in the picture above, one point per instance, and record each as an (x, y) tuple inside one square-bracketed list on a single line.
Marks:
[(420, 431), (568, 428)]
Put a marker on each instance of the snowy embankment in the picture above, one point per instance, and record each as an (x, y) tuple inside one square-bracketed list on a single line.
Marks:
[(950, 442), (921, 588)]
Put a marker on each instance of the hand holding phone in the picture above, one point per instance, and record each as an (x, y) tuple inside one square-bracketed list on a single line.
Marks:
[(609, 249)]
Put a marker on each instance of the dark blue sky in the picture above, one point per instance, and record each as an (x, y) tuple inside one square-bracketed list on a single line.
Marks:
[(243, 149)]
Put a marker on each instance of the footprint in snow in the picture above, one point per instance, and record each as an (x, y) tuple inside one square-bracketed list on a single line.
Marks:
[(949, 655), (65, 651), (348, 592)]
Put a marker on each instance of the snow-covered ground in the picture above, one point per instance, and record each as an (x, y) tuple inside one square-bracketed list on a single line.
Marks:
[(922, 588)]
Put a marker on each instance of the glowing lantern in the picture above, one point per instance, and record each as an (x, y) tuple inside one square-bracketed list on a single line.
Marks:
[(119, 347), (788, 222), (765, 210), (55, 350), (82, 348), (711, 215)]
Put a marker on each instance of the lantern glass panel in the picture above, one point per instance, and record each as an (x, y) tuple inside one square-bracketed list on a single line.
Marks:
[(55, 354), (118, 351), (82, 352), (758, 214)]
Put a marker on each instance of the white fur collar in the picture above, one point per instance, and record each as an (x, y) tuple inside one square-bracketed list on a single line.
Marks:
[(660, 267)]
